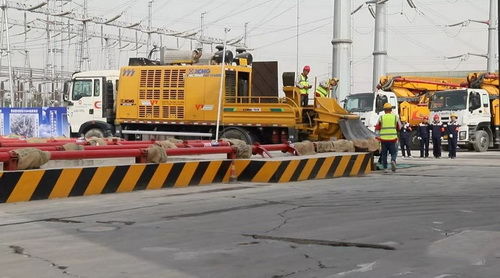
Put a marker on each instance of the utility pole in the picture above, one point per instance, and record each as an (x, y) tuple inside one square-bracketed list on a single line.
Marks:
[(120, 47), (221, 88), (61, 68), (492, 37), (52, 57), (341, 53), (107, 53), (245, 35), (380, 43), (136, 45), (27, 64), (4, 32), (150, 19), (48, 54), (202, 27), (297, 41), (103, 50), (68, 54)]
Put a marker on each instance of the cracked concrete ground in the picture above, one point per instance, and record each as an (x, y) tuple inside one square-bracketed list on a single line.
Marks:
[(442, 220)]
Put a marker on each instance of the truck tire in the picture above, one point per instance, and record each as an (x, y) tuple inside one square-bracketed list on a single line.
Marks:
[(238, 133), (482, 141), (94, 132)]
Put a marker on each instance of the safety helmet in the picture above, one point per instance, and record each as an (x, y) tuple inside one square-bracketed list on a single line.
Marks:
[(436, 117), (387, 106), (454, 115), (307, 68)]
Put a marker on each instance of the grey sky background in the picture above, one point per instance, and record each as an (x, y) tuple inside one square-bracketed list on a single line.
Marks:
[(417, 39)]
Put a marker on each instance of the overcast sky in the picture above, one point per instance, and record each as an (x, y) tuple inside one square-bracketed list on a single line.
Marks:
[(417, 39)]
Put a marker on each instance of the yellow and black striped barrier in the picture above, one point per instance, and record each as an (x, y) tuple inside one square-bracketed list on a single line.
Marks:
[(304, 169), (18, 186)]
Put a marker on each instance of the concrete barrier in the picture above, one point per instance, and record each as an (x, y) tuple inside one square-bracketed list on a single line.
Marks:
[(321, 166), (18, 186)]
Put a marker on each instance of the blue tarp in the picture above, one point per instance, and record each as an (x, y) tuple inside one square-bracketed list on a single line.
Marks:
[(43, 122)]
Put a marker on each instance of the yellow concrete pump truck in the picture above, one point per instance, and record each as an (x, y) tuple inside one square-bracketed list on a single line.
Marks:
[(179, 96)]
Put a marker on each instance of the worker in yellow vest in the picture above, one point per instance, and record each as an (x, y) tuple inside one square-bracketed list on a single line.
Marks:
[(388, 126), (324, 88), (304, 86)]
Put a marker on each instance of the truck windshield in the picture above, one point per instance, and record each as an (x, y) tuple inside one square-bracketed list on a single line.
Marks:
[(359, 103), (448, 100), (82, 88)]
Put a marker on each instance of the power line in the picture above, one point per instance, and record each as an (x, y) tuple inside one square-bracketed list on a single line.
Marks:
[(271, 12), (291, 37), (291, 27), (135, 26)]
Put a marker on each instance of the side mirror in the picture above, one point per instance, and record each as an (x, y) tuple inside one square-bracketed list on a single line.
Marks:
[(109, 87), (66, 91)]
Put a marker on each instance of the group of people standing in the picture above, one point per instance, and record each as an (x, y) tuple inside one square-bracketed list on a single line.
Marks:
[(435, 131), (390, 128)]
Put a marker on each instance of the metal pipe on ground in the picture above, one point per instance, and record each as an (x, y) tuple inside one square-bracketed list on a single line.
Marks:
[(10, 139), (35, 145), (140, 155), (107, 147), (68, 155), (47, 148), (140, 151), (201, 150), (265, 149), (123, 142), (4, 157)]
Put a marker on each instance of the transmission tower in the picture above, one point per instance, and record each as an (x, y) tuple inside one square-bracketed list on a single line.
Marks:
[(82, 52), (4, 33)]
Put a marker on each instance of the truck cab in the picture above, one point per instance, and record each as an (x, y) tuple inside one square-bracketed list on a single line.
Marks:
[(473, 108), (90, 99), (369, 106)]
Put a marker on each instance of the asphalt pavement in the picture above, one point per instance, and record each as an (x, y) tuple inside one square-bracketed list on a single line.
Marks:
[(437, 218)]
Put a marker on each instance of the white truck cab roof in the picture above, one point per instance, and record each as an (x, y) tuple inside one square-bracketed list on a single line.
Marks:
[(97, 73)]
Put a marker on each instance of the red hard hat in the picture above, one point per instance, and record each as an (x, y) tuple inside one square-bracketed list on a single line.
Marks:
[(436, 117), (307, 68)]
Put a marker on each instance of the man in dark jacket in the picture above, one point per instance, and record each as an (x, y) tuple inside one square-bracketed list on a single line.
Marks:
[(405, 138), (437, 131), (452, 131), (423, 136)]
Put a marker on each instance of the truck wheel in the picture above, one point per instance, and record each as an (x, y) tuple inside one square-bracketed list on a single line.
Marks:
[(482, 141), (237, 133), (94, 132), (445, 148)]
